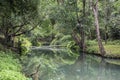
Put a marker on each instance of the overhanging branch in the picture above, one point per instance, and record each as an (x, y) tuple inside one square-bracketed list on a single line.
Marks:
[(18, 34), (19, 28)]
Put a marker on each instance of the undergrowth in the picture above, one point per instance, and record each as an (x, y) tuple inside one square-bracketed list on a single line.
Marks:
[(10, 67)]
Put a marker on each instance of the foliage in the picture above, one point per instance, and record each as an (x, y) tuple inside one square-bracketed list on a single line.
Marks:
[(71, 44), (91, 43), (7, 62), (93, 49), (64, 40), (115, 32), (17, 17), (115, 42), (51, 22), (11, 75), (10, 68), (25, 45)]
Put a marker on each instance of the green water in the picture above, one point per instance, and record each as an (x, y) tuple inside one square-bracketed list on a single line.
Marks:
[(62, 64)]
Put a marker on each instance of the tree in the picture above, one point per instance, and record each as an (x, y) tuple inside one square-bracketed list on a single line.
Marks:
[(83, 28), (95, 11), (80, 26), (107, 18), (115, 20), (17, 17)]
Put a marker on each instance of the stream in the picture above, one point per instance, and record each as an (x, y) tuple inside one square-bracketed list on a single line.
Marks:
[(64, 64)]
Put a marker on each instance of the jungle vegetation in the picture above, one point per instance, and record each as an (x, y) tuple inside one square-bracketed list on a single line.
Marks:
[(88, 26)]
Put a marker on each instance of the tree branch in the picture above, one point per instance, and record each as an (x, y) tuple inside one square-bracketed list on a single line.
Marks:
[(19, 28), (25, 31), (96, 3), (36, 71)]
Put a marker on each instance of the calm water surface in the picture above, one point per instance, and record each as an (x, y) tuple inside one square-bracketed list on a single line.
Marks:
[(61, 64)]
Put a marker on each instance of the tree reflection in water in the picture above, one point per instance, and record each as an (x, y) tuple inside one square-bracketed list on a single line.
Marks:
[(56, 66)]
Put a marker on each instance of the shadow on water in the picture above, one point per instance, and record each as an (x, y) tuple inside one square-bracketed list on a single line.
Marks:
[(61, 65)]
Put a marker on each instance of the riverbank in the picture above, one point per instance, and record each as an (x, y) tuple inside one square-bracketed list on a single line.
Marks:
[(112, 49), (10, 67)]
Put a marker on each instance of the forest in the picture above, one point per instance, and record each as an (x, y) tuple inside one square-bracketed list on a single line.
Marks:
[(59, 39)]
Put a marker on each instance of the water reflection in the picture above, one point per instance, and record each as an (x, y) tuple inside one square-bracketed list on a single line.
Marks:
[(88, 69), (61, 66)]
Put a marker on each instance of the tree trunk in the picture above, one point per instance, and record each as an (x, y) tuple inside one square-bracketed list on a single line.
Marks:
[(106, 34), (95, 10), (80, 27), (83, 28), (8, 40), (76, 38), (82, 34)]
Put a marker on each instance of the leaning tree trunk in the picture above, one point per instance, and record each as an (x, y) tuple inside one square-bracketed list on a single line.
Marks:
[(95, 10)]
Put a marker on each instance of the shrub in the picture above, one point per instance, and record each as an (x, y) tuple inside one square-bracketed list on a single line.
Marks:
[(10, 67), (115, 42), (93, 49), (25, 45), (11, 75), (91, 43)]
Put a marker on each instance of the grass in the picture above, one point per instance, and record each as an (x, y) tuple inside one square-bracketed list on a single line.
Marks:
[(112, 50)]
